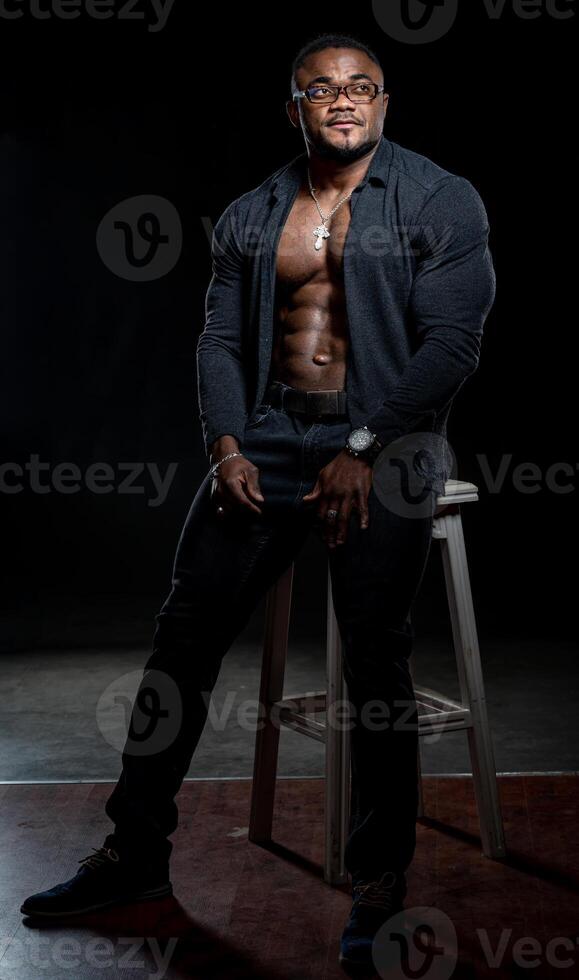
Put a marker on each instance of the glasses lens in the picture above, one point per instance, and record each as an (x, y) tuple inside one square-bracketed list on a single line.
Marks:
[(321, 94), (361, 92)]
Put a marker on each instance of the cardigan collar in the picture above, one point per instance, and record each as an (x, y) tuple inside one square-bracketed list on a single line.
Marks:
[(290, 177)]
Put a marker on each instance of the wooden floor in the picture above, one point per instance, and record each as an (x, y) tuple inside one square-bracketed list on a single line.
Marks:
[(240, 911)]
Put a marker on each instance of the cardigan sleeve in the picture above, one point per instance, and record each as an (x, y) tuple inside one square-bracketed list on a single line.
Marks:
[(452, 292), (221, 381)]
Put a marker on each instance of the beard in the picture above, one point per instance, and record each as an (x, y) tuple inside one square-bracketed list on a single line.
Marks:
[(344, 153)]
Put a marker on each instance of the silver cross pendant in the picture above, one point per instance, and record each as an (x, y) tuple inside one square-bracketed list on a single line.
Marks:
[(320, 232)]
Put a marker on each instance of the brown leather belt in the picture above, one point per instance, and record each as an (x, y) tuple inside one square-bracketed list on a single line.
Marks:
[(330, 401)]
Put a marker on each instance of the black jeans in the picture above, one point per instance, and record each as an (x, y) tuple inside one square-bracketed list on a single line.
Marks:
[(223, 566)]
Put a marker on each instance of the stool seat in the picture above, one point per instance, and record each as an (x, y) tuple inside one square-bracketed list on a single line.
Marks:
[(437, 713), (458, 491)]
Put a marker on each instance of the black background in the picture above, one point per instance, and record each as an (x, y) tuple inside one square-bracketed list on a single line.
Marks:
[(96, 368)]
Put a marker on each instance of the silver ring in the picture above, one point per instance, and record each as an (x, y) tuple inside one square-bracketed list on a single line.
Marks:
[(331, 515), (220, 510)]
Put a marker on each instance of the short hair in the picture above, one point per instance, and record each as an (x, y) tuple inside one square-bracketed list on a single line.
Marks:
[(322, 41)]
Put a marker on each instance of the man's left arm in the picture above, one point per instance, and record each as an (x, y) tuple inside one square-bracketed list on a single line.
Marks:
[(452, 292)]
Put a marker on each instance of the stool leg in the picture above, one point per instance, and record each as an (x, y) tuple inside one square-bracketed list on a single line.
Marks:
[(337, 785), (471, 684), (420, 807), (277, 619)]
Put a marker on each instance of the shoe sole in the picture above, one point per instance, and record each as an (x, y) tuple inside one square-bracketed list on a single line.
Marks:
[(150, 895)]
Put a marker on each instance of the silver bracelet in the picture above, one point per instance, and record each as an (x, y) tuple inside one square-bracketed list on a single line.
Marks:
[(216, 466)]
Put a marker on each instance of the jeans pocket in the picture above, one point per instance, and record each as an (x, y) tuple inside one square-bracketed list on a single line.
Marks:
[(259, 417)]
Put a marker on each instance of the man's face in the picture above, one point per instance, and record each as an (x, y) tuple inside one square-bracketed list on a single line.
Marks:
[(339, 66)]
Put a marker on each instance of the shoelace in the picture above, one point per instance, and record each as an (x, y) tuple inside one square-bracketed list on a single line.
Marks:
[(377, 894), (102, 855)]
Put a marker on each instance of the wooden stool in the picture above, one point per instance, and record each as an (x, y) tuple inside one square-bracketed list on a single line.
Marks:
[(437, 713)]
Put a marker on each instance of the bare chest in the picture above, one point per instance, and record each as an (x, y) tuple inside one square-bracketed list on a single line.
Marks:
[(298, 260)]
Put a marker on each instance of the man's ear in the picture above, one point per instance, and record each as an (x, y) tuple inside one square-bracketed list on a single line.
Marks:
[(291, 111)]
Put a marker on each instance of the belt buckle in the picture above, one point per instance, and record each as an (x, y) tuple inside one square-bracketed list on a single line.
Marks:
[(319, 400)]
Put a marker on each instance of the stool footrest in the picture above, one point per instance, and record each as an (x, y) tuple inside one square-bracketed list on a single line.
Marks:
[(446, 721), (438, 713), (310, 701), (436, 700), (304, 724)]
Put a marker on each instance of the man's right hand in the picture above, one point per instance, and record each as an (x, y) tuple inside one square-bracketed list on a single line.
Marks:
[(236, 486)]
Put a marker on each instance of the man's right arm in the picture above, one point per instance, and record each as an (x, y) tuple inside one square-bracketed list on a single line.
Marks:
[(221, 380)]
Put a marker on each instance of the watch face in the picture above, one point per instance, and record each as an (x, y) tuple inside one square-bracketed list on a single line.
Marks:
[(360, 439)]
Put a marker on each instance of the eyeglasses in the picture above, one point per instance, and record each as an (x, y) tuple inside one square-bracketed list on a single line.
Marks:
[(326, 94)]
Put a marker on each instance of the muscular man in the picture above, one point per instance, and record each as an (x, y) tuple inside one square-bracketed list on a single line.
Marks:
[(345, 310)]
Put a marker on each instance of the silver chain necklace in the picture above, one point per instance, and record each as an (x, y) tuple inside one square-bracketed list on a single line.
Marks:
[(321, 231)]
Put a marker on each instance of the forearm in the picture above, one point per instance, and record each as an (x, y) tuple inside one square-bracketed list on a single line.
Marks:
[(433, 376), (221, 394)]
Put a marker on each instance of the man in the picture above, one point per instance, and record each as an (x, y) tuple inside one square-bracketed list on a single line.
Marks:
[(359, 270)]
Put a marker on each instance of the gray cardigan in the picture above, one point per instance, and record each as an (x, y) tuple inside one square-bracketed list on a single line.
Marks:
[(419, 283)]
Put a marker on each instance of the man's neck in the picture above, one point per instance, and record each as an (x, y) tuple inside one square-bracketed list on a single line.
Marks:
[(335, 176)]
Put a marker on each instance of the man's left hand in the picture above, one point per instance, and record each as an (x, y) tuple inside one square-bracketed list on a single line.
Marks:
[(341, 485)]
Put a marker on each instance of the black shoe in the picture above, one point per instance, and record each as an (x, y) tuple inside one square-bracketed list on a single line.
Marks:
[(374, 903), (106, 877)]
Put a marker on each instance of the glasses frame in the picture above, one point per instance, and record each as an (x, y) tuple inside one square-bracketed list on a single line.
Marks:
[(341, 88)]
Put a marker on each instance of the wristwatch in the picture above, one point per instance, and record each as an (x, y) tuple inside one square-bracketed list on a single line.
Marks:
[(364, 444)]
